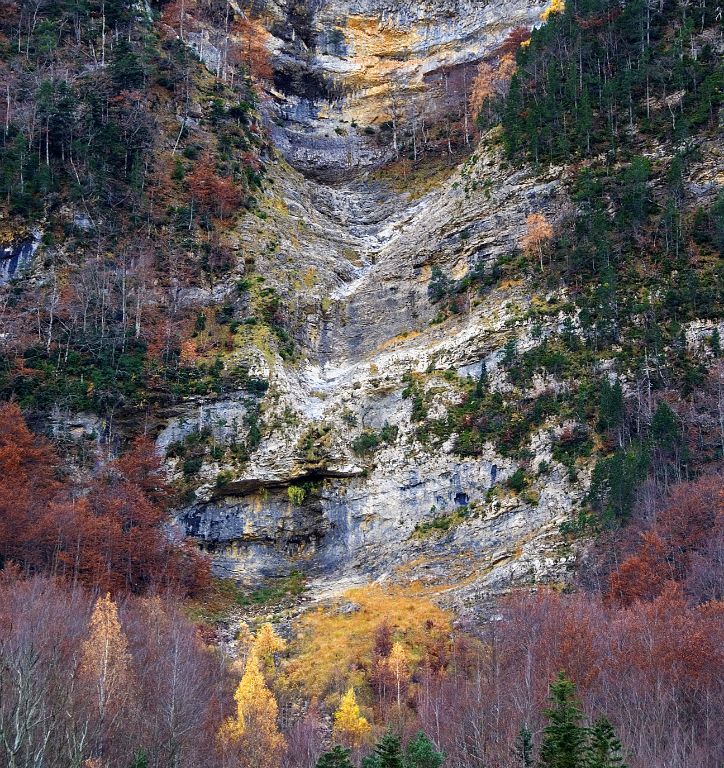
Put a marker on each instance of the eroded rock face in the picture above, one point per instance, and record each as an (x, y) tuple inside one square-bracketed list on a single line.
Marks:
[(16, 257), (353, 265), (351, 258), (348, 74)]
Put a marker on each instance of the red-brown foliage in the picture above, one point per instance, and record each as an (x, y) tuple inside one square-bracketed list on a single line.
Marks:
[(690, 524), (174, 697), (514, 40), (213, 193), (27, 486), (108, 534), (655, 669), (646, 650), (250, 49)]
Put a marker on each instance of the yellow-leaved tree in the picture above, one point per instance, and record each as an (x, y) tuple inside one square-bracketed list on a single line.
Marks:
[(350, 727), (398, 663), (253, 734), (105, 665), (266, 644), (556, 6)]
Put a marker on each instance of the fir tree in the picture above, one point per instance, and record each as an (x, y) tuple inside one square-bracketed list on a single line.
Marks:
[(387, 754), (604, 747), (422, 753), (126, 69), (139, 760), (524, 747), (482, 386), (715, 342), (611, 405), (564, 739), (337, 757), (665, 427)]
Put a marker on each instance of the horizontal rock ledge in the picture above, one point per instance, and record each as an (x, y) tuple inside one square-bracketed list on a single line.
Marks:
[(248, 486)]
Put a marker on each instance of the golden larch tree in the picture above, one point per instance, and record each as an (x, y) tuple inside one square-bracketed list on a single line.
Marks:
[(350, 727), (254, 732), (106, 662), (556, 6), (244, 640), (538, 233), (398, 664), (266, 644)]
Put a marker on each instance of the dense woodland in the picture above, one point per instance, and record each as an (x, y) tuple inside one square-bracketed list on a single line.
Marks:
[(132, 680), (108, 650), (623, 101), (98, 153)]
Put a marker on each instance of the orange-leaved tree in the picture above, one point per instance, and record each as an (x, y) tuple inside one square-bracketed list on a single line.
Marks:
[(105, 669), (213, 194), (538, 233), (107, 534), (491, 80), (27, 487)]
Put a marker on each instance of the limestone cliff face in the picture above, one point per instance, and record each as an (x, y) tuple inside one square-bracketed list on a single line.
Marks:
[(351, 259), (343, 70), (363, 318)]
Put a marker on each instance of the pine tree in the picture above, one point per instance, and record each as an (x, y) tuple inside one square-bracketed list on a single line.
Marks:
[(126, 69), (482, 385), (337, 757), (350, 727), (524, 747), (387, 754), (604, 747), (611, 405), (422, 753), (563, 744), (139, 760)]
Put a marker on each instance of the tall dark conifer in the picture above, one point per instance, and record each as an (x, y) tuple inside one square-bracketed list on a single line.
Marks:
[(564, 738)]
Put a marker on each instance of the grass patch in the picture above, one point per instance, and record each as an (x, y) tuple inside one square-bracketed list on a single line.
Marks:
[(441, 523), (334, 645), (225, 596)]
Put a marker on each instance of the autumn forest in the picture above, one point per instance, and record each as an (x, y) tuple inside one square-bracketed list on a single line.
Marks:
[(169, 597)]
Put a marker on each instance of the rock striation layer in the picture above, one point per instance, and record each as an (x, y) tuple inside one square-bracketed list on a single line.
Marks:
[(365, 323), (348, 73), (351, 258)]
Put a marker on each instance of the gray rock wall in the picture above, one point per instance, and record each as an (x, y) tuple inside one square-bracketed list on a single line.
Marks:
[(364, 324)]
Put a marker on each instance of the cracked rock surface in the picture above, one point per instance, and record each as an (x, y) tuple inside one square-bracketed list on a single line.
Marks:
[(365, 324)]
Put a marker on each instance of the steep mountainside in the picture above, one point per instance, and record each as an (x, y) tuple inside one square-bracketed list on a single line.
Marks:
[(322, 290), (341, 483), (341, 478)]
